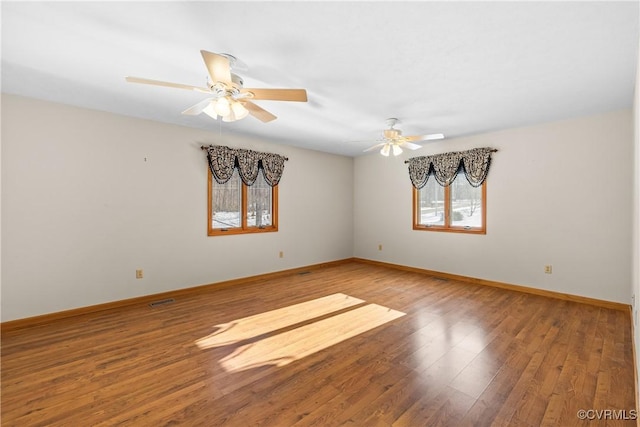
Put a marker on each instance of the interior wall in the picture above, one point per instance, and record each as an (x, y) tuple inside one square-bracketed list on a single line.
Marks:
[(89, 197), (558, 194), (635, 283)]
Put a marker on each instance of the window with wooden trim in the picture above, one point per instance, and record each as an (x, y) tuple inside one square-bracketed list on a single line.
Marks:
[(236, 208), (455, 198), (458, 207)]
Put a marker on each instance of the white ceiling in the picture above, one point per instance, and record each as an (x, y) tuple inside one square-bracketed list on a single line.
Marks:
[(457, 68)]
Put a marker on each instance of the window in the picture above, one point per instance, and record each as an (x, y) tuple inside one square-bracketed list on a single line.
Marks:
[(235, 208), (455, 198), (242, 190), (458, 207)]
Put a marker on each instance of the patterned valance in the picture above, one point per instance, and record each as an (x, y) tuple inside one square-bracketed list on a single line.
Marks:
[(445, 167), (223, 160)]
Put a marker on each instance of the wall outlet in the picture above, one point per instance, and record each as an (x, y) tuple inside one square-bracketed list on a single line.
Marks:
[(548, 269), (380, 247), (139, 274), (281, 254)]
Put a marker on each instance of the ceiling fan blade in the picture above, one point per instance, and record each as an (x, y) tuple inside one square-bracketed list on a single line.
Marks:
[(218, 67), (258, 112), (375, 146), (198, 108), (410, 145), (430, 137), (299, 95), (167, 84)]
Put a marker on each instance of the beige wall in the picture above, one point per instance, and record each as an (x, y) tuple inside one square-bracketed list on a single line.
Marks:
[(558, 193), (82, 209), (635, 283)]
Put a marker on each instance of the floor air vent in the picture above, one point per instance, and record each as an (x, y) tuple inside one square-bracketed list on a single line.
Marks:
[(161, 302)]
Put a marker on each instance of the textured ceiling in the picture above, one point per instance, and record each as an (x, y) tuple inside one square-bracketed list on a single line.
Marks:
[(457, 68)]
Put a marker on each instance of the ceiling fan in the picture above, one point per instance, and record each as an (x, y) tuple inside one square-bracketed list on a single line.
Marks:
[(393, 140), (230, 101)]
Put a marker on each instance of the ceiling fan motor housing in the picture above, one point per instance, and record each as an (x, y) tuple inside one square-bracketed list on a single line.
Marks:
[(392, 133), (236, 84), (237, 81)]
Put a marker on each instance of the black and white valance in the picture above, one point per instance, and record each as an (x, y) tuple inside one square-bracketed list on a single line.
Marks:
[(223, 160), (445, 167)]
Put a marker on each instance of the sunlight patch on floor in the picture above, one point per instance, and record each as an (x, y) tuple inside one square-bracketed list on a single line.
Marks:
[(270, 321), (257, 341)]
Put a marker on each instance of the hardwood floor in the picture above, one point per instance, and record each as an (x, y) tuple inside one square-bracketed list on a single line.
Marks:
[(353, 344)]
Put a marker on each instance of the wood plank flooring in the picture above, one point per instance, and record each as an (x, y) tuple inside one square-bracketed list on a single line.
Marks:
[(352, 344)]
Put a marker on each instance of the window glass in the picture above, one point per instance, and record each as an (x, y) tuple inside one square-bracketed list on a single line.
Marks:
[(431, 204), (259, 203), (226, 203), (466, 203)]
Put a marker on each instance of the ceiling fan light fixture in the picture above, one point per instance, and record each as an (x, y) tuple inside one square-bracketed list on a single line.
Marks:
[(397, 150), (239, 111), (210, 111), (222, 107), (385, 150)]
